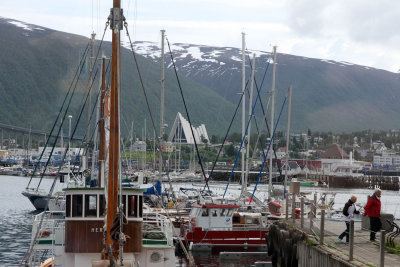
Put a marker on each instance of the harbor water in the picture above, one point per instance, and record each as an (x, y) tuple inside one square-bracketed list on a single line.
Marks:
[(16, 216)]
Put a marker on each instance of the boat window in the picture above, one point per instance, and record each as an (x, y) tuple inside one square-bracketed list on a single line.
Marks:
[(223, 212), (102, 206), (77, 205), (90, 205), (229, 213), (204, 212), (132, 206), (140, 206), (214, 213), (68, 206), (236, 219)]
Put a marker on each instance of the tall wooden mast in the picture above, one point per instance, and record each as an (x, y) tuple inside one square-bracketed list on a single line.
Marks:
[(116, 25)]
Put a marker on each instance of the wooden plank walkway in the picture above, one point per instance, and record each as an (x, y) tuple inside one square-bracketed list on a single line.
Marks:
[(365, 252)]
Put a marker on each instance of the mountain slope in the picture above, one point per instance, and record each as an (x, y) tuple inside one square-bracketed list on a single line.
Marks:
[(327, 95), (37, 68)]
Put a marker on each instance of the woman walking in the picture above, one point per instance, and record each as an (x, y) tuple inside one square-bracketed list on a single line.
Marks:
[(349, 210)]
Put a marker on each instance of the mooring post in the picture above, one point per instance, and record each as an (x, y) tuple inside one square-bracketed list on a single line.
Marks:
[(321, 239), (382, 249), (351, 236), (287, 207), (315, 205), (293, 207), (302, 212)]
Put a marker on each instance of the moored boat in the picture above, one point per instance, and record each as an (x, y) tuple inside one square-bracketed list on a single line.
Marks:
[(220, 226)]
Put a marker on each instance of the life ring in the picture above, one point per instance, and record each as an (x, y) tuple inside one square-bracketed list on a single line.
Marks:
[(47, 263), (44, 233)]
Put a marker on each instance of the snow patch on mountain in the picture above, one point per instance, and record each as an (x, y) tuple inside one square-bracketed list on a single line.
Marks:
[(24, 26)]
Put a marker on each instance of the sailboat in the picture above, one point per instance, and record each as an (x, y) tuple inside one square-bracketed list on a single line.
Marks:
[(103, 225)]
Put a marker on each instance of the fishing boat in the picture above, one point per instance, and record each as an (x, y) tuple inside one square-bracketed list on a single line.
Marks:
[(215, 227), (102, 225)]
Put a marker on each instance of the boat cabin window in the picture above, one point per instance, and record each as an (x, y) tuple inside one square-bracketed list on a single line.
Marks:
[(229, 213), (222, 212), (102, 206), (204, 212), (236, 218), (77, 203), (140, 206), (214, 213), (135, 206), (68, 206), (90, 205)]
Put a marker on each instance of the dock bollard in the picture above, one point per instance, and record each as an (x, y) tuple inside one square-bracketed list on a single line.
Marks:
[(321, 239), (382, 249), (302, 212), (294, 207), (351, 237), (287, 207)]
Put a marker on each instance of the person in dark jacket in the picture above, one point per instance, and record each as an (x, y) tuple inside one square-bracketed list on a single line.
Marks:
[(373, 210), (348, 211)]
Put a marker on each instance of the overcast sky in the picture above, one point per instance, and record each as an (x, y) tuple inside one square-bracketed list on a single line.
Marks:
[(364, 32)]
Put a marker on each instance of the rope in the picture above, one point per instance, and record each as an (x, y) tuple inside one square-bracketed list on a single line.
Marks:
[(187, 114), (226, 135), (53, 185), (59, 112), (269, 146), (266, 122), (148, 105), (58, 132), (247, 128)]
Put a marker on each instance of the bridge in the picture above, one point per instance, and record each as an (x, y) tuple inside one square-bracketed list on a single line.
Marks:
[(25, 131)]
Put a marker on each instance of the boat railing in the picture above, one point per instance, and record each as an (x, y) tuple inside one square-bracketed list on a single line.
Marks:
[(164, 224), (235, 227), (47, 232)]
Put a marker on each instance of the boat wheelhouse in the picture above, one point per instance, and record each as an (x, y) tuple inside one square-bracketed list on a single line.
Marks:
[(213, 226), (76, 236)]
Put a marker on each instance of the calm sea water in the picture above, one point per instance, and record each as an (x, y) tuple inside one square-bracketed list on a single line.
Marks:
[(16, 216)]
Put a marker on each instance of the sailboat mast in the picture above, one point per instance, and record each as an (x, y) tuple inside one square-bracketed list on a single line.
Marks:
[(162, 99), (243, 100), (102, 133), (113, 171), (249, 127), (287, 140), (271, 128)]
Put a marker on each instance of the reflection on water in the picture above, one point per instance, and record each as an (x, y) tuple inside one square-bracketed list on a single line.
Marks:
[(16, 216)]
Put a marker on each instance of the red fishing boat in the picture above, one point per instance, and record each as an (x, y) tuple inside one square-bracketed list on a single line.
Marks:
[(221, 226)]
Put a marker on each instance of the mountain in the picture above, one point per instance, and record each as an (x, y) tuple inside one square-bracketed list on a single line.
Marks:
[(327, 95), (38, 65)]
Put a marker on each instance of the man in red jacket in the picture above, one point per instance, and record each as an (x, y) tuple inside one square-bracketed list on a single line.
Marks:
[(373, 210)]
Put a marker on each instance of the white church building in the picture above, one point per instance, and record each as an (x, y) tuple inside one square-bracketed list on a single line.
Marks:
[(181, 133)]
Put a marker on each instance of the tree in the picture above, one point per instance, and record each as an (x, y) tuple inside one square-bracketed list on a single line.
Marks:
[(230, 150), (214, 139)]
